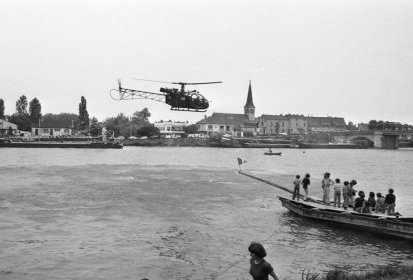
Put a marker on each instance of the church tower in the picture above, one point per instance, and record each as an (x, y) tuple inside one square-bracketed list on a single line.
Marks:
[(249, 108)]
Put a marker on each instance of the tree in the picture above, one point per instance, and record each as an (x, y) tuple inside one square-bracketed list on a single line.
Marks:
[(380, 125), (21, 118), (35, 111), (190, 129), (119, 125), (95, 127), (2, 109), (83, 115), (148, 130), (141, 118), (372, 125), (21, 105)]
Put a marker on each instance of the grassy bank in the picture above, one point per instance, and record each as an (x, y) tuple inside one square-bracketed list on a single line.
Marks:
[(383, 273)]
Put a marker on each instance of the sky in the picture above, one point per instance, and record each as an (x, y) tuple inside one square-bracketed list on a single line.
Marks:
[(347, 58)]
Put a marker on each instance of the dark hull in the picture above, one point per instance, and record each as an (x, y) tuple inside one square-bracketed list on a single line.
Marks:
[(380, 224), (61, 145), (328, 146), (272, 154)]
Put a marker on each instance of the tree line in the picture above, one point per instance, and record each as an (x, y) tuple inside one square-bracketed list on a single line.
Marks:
[(121, 125), (386, 125)]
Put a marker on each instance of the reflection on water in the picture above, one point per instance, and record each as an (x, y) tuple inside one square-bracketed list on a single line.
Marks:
[(161, 214)]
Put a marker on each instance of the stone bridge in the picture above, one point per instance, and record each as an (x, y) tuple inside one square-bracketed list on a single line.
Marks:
[(380, 139)]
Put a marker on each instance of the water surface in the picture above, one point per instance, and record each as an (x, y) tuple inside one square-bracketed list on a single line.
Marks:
[(182, 213)]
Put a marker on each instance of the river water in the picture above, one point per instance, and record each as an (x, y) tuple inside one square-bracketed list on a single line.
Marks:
[(183, 212)]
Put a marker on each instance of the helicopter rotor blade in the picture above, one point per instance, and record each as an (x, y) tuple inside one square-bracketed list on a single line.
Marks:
[(176, 83), (153, 81), (204, 83)]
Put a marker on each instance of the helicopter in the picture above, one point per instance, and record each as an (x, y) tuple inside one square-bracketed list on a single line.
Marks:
[(178, 99)]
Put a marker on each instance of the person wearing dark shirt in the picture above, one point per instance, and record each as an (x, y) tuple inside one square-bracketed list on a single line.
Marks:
[(390, 202), (260, 268), (371, 201), (360, 203), (306, 183)]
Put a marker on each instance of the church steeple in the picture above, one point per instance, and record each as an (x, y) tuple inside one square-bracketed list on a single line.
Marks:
[(249, 108)]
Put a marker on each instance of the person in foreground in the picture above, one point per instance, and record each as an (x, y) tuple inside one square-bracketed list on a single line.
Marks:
[(260, 268)]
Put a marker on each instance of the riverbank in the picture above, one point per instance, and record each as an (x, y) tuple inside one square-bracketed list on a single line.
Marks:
[(172, 142), (383, 273)]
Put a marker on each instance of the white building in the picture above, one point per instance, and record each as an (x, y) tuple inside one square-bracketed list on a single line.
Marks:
[(51, 131), (6, 126), (171, 129)]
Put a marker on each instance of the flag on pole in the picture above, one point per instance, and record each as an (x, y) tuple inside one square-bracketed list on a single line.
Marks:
[(239, 161)]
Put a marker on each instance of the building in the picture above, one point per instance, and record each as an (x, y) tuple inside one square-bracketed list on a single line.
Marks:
[(47, 128), (7, 127), (171, 129), (326, 124), (233, 124), (51, 131), (282, 124), (363, 126)]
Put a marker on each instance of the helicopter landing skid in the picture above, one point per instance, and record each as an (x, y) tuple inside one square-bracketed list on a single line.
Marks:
[(187, 109)]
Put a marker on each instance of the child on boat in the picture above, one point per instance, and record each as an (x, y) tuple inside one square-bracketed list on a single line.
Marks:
[(306, 183), (380, 204), (371, 202), (325, 185), (360, 203), (346, 194), (337, 193), (297, 183), (390, 202)]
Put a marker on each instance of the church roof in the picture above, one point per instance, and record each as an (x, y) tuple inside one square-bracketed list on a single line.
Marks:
[(249, 103), (222, 118), (237, 120)]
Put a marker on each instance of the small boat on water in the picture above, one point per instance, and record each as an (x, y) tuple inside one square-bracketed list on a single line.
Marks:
[(396, 226), (272, 154)]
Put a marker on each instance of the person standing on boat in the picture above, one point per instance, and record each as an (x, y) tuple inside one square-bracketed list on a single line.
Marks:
[(380, 204), (325, 184), (306, 183), (260, 268), (352, 192), (346, 194), (297, 183), (390, 202), (371, 202), (337, 193)]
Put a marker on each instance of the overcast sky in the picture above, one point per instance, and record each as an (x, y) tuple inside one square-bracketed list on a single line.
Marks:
[(351, 59)]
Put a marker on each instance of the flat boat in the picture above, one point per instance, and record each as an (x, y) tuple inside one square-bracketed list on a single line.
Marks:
[(395, 226), (6, 143)]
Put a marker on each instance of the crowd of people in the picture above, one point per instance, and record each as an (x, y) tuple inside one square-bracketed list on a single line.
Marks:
[(346, 196)]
